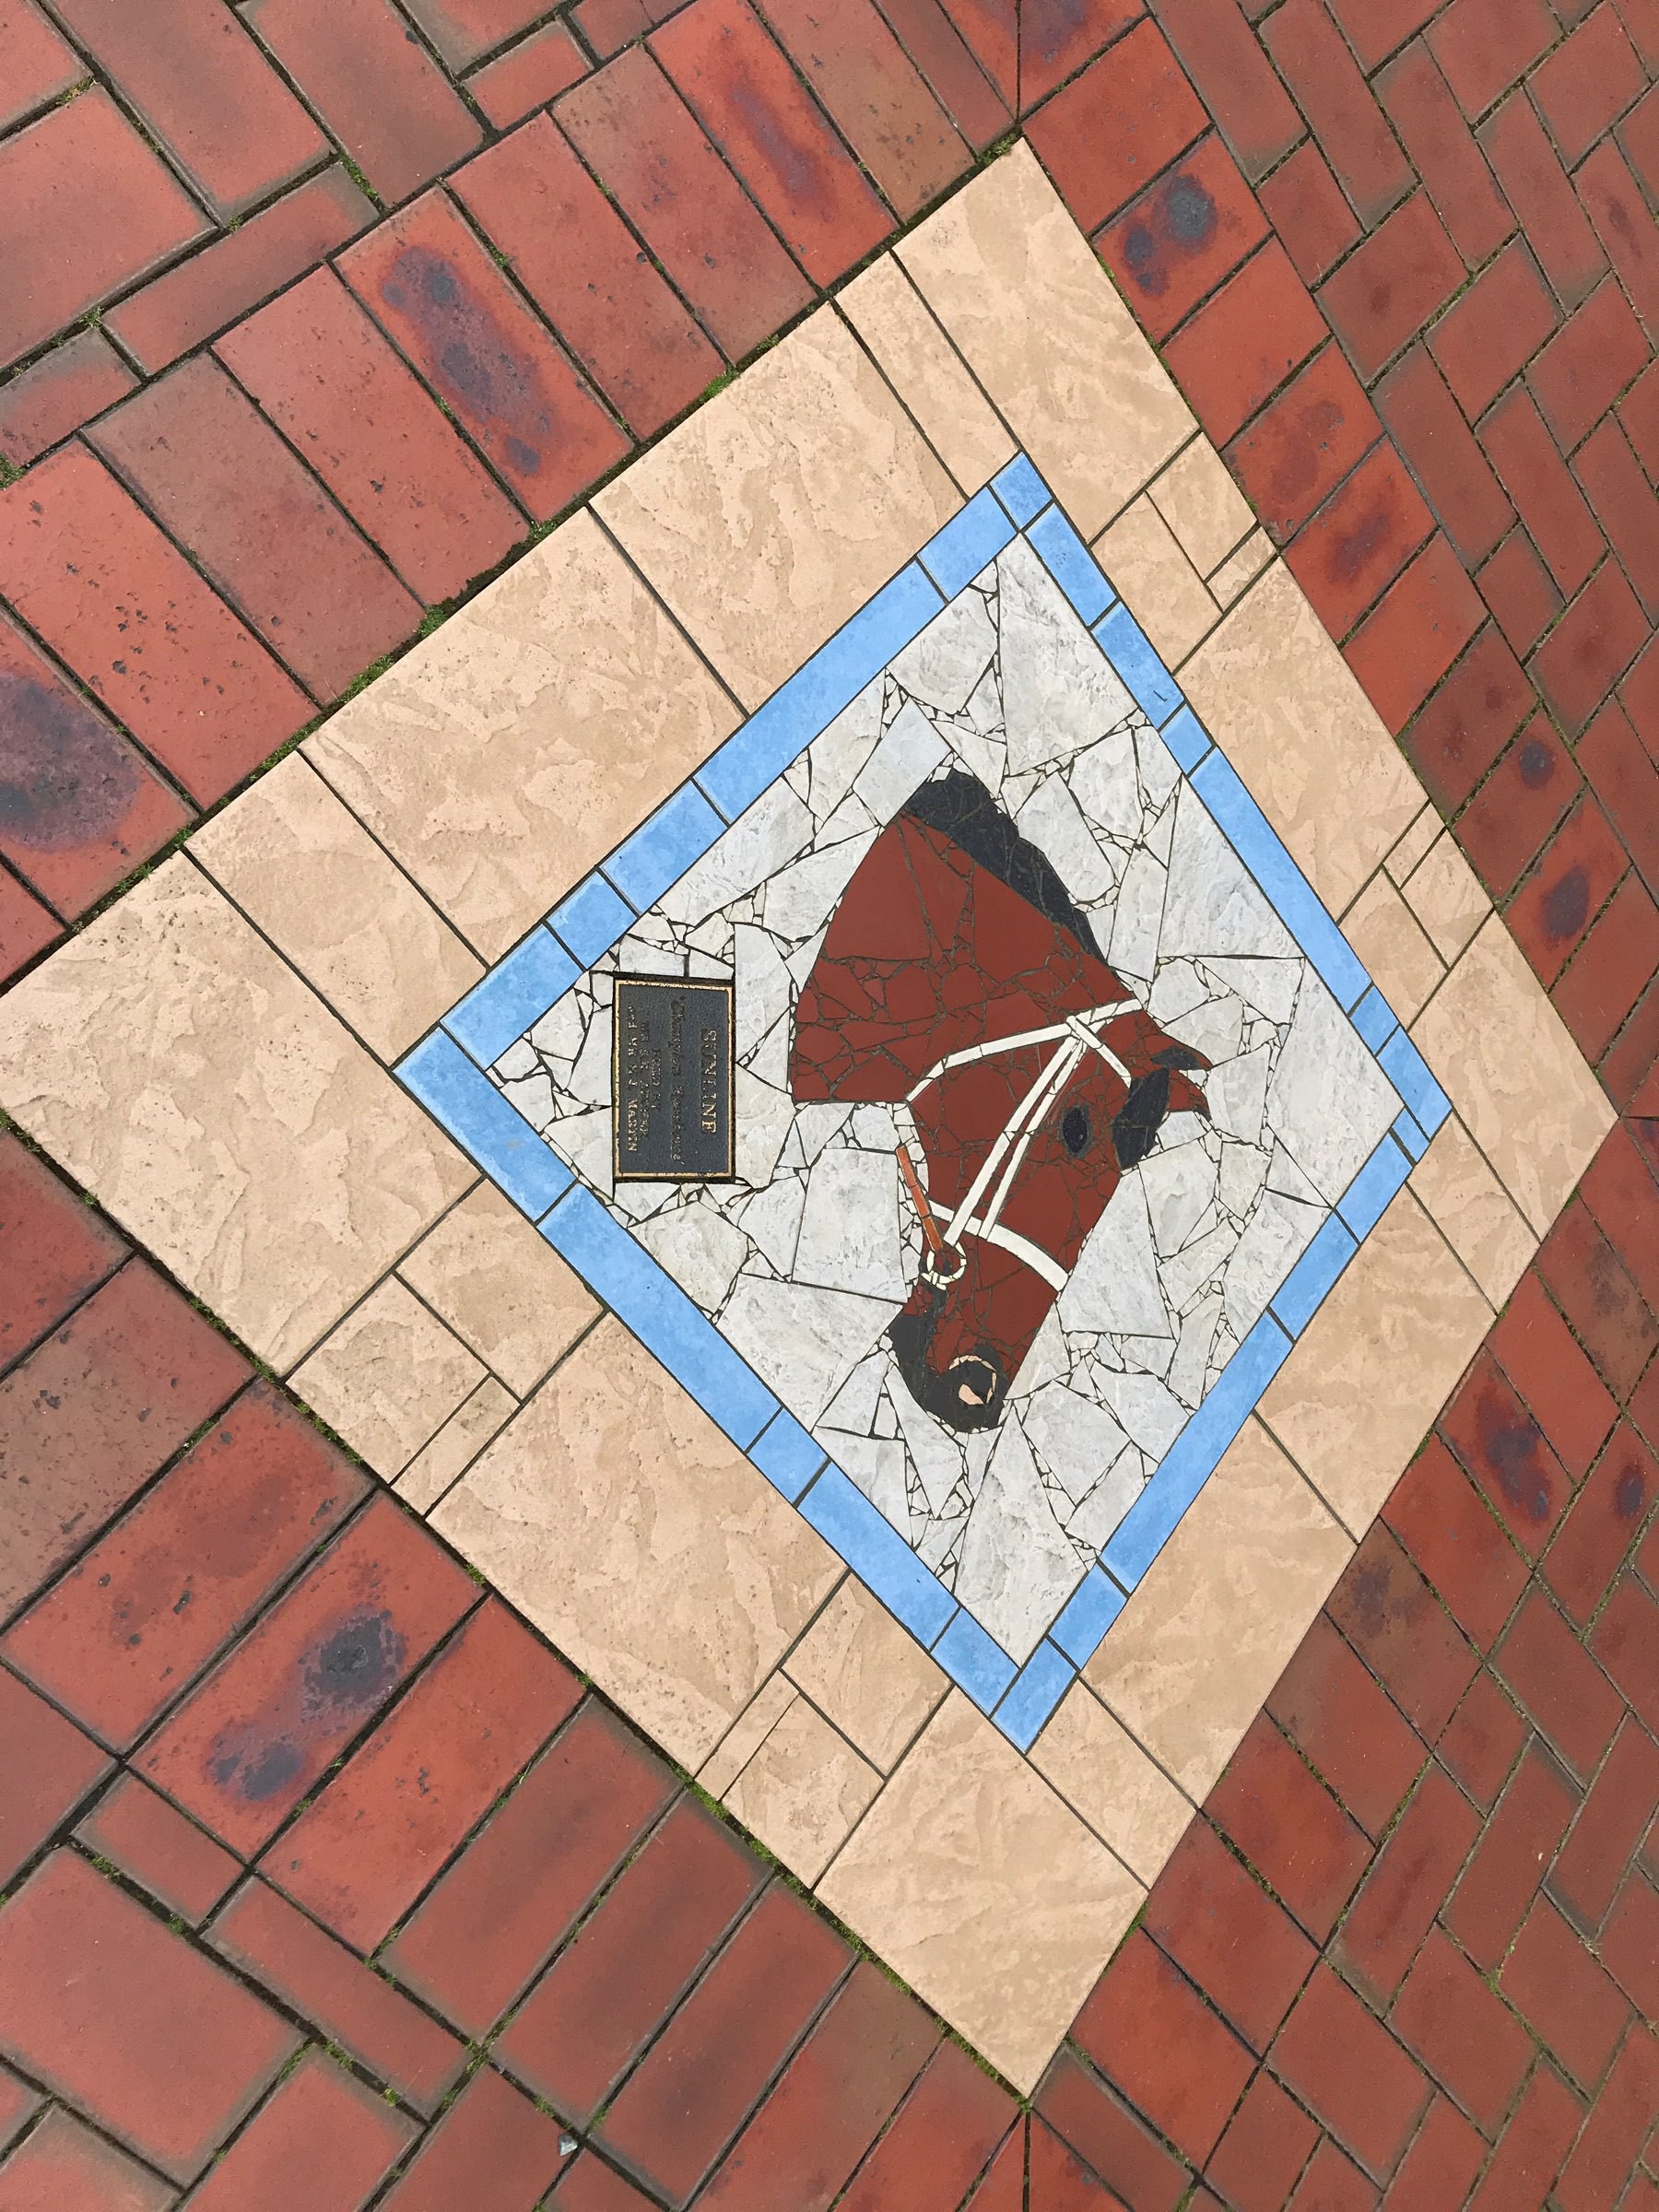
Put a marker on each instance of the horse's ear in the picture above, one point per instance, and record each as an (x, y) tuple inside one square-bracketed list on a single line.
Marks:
[(1186, 1098)]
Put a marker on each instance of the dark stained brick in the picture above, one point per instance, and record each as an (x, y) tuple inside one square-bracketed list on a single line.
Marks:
[(1116, 126), (1456, 1541), (1346, 555), (1182, 236), (1299, 449), (1242, 344)]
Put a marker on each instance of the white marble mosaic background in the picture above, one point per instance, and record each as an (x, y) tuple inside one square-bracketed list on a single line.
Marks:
[(808, 1258)]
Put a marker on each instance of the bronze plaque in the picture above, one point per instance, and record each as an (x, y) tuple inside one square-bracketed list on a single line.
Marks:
[(671, 1080)]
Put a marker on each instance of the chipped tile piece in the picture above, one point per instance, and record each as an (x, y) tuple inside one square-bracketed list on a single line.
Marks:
[(502, 1289), (803, 1790), (1103, 1773), (1145, 562), (1413, 846), (389, 1378), (865, 1673), (1473, 1211), (747, 1734), (1240, 570), (929, 376), (430, 1473), (1445, 895), (1403, 964), (1204, 507)]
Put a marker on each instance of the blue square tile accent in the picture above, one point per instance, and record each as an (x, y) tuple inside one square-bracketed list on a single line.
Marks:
[(967, 543), (1022, 490), (1258, 847), (482, 1123), (1089, 1611), (1361, 1206), (1373, 1017), (1191, 1459), (516, 992), (975, 1660), (1129, 650), (1406, 1070), (663, 847), (874, 1550), (1411, 1136), (628, 1280), (787, 1455), (591, 919), (1039, 1686), (736, 775), (1071, 564), (1187, 739), (1299, 1297)]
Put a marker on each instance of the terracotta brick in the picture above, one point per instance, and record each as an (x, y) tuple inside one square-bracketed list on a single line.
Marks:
[(1228, 1935), (1240, 347), (698, 2083), (1563, 893), (205, 91), (1304, 204), (1587, 83), (1639, 416), (1629, 1944), (1505, 1449), (1183, 237), (1521, 449), (1626, 780), (1593, 1288), (1351, 2073), (90, 573), (1348, 553), (1625, 506), (1554, 1983), (1390, 1615), (1100, 2128), (991, 30), (1235, 79), (1530, 788), (323, 2140), (1620, 216), (1059, 2180), (26, 926), (1390, 287), (109, 2009), (54, 1249), (1441, 2167), (1559, 1684), (1480, 1742), (1058, 36), (51, 1767), (609, 25), (528, 75), (1626, 1640), (201, 296), (124, 1632), (1639, 137), (588, 2186), (1289, 1827), (59, 178), (1617, 2128), (463, 29), (1115, 127), (1315, 63), (1333, 1710), (264, 1936), (63, 2167), (1493, 330), (1299, 449), (1611, 968), (324, 374), (1256, 2162), (92, 1412), (378, 1832), (1333, 2183), (1415, 633), (745, 96), (593, 2011), (1511, 1859), (1406, 1886), (1641, 18), (1534, 2144), (941, 2138), (1520, 591), (426, 278), (245, 1747), (1457, 1543), (1619, 1190), (1484, 45), (1634, 1053), (583, 266), (1375, 27), (1538, 189), (934, 44), (1609, 1829), (159, 1849), (48, 401), (1155, 2039), (1476, 2050), (1587, 364), (875, 97), (1470, 720), (1590, 647), (1468, 500), (491, 2129), (413, 127), (35, 64), (1433, 129)]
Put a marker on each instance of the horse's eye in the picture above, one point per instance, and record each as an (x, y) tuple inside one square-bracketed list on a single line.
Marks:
[(1075, 1132)]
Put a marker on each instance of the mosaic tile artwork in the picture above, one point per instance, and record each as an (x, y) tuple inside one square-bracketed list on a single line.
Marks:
[(1055, 1100)]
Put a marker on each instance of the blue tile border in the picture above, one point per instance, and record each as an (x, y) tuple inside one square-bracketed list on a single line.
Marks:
[(452, 1083)]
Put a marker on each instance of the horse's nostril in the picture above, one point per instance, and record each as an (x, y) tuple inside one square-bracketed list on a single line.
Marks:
[(1075, 1132)]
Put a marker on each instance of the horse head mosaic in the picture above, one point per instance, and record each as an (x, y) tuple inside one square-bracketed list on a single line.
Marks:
[(957, 1085)]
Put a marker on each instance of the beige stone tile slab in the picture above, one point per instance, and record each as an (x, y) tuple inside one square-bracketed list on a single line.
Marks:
[(1153, 577), (507, 753), (388, 1378), (303, 867), (1211, 1627), (500, 1287), (771, 514), (1413, 845), (926, 371), (1367, 1377), (180, 1069), (1505, 1059), (1204, 507), (1447, 897), (1281, 701), (1235, 575), (1473, 1211), (1404, 965), (747, 1734), (860, 1668), (1013, 280), (1102, 1773), (803, 1790), (457, 1444), (612, 1512), (987, 1894)]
